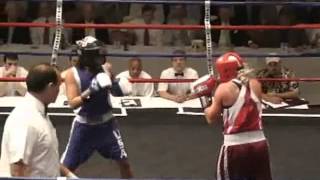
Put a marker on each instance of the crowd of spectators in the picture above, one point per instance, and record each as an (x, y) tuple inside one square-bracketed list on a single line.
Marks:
[(101, 13), (274, 92)]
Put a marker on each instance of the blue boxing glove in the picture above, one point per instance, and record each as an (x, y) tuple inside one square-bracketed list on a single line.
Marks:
[(121, 87), (100, 82)]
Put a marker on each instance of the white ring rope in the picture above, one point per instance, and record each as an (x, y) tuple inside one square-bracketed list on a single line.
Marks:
[(207, 24), (58, 34)]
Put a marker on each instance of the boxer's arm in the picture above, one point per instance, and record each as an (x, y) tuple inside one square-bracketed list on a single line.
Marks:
[(257, 88), (72, 90), (214, 110), (66, 172)]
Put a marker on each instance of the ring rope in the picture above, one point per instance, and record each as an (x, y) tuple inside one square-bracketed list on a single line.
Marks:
[(208, 37), (58, 34), (218, 3), (162, 26), (158, 80), (154, 56)]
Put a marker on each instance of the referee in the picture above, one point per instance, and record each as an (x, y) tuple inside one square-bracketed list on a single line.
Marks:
[(29, 145)]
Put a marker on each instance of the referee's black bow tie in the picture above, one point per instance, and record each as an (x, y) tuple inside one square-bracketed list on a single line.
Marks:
[(178, 74)]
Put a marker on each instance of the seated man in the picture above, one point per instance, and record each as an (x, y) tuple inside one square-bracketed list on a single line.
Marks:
[(40, 35), (177, 92), (178, 15), (227, 38), (146, 37), (88, 16), (135, 71), (10, 69), (276, 92), (14, 12)]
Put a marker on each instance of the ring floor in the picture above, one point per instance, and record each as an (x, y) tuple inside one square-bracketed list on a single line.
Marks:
[(161, 144)]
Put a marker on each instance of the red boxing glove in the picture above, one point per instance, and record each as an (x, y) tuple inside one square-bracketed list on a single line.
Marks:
[(204, 86), (203, 89)]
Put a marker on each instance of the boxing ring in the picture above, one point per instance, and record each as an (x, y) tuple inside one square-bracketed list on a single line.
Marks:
[(162, 144), (170, 140)]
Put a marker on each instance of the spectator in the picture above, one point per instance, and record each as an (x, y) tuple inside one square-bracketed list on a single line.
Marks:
[(136, 71), (135, 10), (88, 16), (15, 12), (177, 92), (276, 92), (268, 15), (46, 14), (178, 15), (30, 145), (314, 34), (11, 69), (113, 12), (227, 38), (194, 13), (147, 37), (295, 38)]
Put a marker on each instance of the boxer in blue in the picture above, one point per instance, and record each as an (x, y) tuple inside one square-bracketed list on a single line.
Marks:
[(94, 128)]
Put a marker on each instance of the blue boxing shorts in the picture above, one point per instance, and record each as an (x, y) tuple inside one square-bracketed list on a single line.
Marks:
[(85, 138)]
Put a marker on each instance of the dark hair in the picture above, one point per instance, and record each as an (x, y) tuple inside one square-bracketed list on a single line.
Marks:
[(134, 59), (289, 13), (179, 53), (40, 76), (12, 56), (147, 7)]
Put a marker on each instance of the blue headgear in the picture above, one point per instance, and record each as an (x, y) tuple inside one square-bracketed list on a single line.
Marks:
[(90, 53)]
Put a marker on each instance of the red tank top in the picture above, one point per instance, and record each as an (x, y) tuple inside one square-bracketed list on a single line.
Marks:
[(245, 114)]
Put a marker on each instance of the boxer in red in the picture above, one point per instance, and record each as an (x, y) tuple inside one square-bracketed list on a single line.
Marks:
[(244, 154)]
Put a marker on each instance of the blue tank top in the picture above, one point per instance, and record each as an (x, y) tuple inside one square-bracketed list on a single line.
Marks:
[(98, 104)]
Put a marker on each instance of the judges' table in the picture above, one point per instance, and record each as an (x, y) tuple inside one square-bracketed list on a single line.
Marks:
[(122, 105), (166, 139)]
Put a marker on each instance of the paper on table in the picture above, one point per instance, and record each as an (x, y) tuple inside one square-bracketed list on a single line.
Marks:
[(283, 104)]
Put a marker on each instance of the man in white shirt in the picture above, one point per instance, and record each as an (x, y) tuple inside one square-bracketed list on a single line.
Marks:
[(178, 15), (135, 71), (135, 10), (10, 69), (40, 35), (14, 11), (177, 92), (147, 37), (29, 143)]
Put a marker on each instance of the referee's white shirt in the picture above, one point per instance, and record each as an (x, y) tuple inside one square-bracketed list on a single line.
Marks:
[(30, 136), (139, 89), (177, 88)]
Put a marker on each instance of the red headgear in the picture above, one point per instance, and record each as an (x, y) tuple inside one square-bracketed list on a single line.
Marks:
[(228, 65)]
